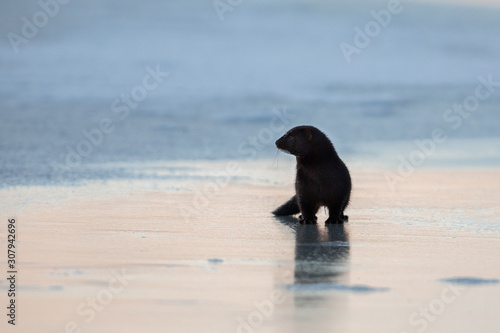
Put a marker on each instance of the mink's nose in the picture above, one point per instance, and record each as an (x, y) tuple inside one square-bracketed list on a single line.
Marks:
[(278, 142)]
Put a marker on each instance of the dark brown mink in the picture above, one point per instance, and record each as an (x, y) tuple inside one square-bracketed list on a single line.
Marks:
[(322, 178)]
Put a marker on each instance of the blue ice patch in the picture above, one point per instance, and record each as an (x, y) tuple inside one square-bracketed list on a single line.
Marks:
[(470, 281), (333, 286), (215, 260)]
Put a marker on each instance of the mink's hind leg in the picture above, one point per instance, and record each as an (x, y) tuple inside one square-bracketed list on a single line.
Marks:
[(308, 212), (344, 217), (336, 214)]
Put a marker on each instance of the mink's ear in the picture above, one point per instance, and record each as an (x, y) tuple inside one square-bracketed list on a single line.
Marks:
[(309, 134)]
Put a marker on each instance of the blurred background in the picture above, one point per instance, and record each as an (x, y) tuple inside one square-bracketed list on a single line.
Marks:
[(84, 85)]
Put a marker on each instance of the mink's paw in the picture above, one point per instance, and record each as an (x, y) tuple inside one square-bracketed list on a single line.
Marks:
[(334, 221), (344, 217), (302, 220)]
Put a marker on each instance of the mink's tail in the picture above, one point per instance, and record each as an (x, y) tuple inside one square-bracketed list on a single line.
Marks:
[(290, 207)]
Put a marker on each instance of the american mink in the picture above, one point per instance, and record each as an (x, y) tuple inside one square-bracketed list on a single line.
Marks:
[(322, 178)]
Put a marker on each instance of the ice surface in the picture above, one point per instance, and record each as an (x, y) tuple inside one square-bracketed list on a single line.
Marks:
[(470, 281)]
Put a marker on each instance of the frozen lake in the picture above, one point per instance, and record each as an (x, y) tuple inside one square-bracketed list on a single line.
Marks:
[(137, 156)]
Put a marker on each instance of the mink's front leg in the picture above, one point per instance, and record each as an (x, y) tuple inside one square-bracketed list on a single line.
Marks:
[(336, 215)]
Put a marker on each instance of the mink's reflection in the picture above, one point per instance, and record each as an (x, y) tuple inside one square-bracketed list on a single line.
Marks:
[(321, 253), (320, 267)]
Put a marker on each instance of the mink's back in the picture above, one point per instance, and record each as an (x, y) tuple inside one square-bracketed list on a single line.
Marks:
[(327, 179)]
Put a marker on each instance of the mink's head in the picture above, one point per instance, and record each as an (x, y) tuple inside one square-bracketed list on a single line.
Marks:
[(305, 142)]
